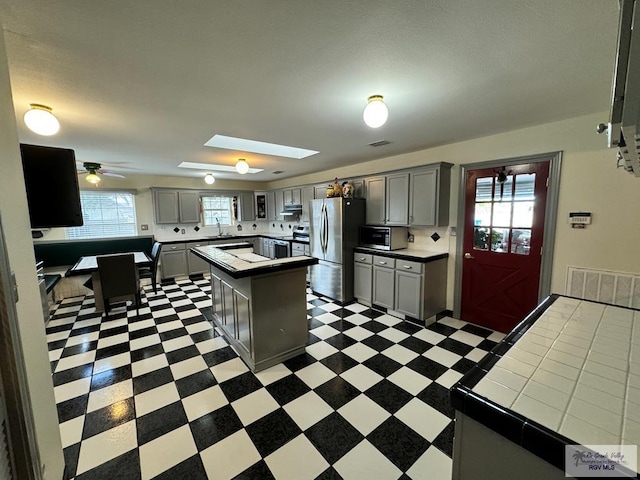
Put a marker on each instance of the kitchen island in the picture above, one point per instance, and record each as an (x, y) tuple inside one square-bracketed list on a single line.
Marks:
[(258, 303), (567, 376)]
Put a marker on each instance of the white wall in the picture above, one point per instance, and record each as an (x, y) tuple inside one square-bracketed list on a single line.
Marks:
[(15, 219)]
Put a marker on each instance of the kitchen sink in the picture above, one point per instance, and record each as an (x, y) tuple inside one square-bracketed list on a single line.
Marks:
[(224, 235)]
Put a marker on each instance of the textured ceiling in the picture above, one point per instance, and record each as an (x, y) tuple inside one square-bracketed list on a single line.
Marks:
[(148, 82)]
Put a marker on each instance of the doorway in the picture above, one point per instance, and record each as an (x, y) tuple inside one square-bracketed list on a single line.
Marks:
[(504, 263)]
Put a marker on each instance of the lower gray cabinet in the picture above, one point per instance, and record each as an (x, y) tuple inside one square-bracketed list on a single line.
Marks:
[(243, 317), (173, 260), (216, 296), (362, 271), (383, 281), (195, 264), (228, 317), (408, 295)]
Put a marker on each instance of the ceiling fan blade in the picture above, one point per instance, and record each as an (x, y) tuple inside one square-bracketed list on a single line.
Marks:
[(111, 174)]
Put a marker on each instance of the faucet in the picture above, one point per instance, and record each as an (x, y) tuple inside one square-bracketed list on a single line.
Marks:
[(219, 227)]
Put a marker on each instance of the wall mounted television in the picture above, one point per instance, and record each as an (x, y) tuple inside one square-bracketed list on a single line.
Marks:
[(51, 181)]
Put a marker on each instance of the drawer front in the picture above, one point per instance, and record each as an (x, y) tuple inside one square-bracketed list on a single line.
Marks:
[(385, 262), (297, 247), (363, 257), (173, 247), (197, 244), (408, 266)]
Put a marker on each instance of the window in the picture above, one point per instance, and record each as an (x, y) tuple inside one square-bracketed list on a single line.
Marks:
[(106, 214), (220, 208)]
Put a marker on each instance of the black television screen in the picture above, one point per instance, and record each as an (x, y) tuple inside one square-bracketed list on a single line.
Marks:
[(51, 181)]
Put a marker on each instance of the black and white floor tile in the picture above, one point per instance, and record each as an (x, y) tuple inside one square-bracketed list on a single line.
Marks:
[(162, 395)]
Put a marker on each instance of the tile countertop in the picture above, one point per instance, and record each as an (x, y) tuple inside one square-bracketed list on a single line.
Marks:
[(234, 236), (568, 374), (415, 254), (242, 262)]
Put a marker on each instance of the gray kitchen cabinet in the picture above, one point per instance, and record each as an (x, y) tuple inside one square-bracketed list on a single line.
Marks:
[(272, 212), (362, 277), (228, 312), (408, 288), (320, 191), (397, 199), (246, 212), (358, 188), (383, 281), (196, 264), (173, 260), (176, 206), (292, 196), (261, 205), (307, 196), (268, 248), (298, 249), (429, 196), (216, 295), (375, 194), (243, 320), (279, 203)]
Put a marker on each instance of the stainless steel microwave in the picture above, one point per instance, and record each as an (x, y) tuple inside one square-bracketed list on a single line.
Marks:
[(383, 238)]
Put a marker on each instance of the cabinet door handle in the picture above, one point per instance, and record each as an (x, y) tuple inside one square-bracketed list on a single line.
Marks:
[(362, 259), (382, 263), (408, 267)]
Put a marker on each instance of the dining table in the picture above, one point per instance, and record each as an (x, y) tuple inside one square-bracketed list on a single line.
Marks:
[(89, 265)]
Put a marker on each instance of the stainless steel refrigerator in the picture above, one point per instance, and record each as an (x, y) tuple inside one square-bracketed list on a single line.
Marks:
[(334, 228)]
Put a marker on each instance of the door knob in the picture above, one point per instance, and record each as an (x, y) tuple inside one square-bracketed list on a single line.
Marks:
[(468, 255)]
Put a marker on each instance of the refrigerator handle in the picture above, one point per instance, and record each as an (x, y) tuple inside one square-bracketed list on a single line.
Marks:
[(326, 229), (323, 231)]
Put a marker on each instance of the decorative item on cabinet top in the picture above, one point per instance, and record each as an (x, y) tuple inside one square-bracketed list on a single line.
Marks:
[(346, 189)]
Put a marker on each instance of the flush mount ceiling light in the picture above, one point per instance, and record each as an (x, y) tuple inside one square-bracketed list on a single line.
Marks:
[(254, 146), (40, 120), (376, 112), (92, 178), (209, 179), (242, 166)]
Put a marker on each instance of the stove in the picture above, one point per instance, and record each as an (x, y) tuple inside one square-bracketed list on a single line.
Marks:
[(301, 233)]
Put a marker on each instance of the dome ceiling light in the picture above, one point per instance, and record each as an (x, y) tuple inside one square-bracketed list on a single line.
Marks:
[(209, 179), (242, 166), (376, 112), (40, 120)]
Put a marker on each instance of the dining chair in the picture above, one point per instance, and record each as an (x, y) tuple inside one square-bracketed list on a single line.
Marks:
[(119, 279), (152, 271)]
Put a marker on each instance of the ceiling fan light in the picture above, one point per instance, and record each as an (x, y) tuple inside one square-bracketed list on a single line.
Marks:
[(40, 120), (375, 114), (209, 179), (242, 166), (92, 178)]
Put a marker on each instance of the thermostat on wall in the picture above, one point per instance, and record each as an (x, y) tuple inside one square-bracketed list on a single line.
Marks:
[(579, 219)]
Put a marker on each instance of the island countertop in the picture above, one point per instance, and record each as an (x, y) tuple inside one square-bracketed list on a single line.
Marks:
[(238, 261)]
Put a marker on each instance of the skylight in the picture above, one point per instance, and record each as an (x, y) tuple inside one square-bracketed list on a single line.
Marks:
[(253, 146), (215, 168)]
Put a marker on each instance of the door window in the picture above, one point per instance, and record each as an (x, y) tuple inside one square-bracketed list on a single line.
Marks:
[(504, 213)]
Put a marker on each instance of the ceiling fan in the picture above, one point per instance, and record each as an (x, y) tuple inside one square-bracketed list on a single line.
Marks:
[(93, 169)]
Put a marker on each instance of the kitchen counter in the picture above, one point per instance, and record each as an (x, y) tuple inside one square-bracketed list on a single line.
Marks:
[(568, 374), (412, 254), (259, 304), (235, 236), (236, 262)]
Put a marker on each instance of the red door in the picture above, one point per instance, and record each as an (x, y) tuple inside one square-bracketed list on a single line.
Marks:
[(503, 231)]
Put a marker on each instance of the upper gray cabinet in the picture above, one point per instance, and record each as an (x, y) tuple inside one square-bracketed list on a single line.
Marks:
[(272, 208), (397, 199), (176, 206), (414, 197), (279, 203), (307, 195), (375, 192), (292, 196), (429, 196), (246, 211)]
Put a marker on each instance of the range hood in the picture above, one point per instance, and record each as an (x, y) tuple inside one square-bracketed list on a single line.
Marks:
[(623, 130), (292, 209)]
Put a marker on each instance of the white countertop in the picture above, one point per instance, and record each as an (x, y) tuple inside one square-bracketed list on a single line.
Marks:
[(244, 260), (576, 371), (407, 252)]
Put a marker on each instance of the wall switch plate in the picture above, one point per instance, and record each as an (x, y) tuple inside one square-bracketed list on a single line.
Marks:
[(144, 226), (453, 231), (410, 238)]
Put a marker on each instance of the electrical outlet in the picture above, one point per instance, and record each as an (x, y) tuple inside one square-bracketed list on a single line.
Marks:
[(144, 226), (410, 238), (183, 231)]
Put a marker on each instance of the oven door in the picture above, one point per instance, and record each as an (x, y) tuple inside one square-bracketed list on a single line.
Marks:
[(281, 249)]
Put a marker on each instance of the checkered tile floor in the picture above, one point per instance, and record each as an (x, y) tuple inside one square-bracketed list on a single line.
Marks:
[(162, 395)]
